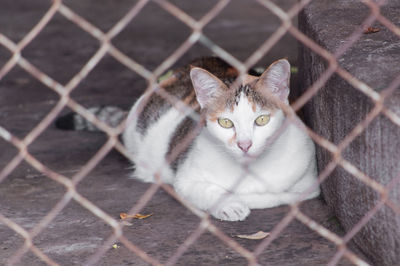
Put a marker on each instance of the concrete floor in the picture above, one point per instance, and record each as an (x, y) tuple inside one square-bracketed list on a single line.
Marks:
[(26, 196)]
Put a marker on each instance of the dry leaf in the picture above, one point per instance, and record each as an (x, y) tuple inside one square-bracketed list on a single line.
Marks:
[(142, 216), (255, 236), (124, 216), (371, 30)]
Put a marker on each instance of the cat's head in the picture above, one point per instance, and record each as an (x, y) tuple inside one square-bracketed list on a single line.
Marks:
[(243, 118)]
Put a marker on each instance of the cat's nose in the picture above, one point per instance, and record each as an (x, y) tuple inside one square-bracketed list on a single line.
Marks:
[(245, 145)]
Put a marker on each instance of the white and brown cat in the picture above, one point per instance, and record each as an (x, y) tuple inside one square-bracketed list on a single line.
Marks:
[(226, 164)]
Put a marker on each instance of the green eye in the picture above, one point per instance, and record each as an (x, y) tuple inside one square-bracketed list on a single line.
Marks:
[(262, 120), (225, 122)]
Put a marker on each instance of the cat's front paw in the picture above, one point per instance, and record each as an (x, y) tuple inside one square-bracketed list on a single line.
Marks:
[(231, 211)]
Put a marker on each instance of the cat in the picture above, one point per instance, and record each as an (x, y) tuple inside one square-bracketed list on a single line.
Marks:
[(217, 154)]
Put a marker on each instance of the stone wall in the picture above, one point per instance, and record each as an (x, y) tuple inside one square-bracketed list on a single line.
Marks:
[(338, 107)]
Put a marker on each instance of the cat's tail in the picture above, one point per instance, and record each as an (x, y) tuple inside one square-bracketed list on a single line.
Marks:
[(111, 115)]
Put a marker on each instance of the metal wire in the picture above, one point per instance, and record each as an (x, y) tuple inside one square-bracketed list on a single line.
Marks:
[(197, 36)]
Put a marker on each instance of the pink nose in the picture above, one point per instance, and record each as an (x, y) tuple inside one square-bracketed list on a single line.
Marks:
[(245, 145)]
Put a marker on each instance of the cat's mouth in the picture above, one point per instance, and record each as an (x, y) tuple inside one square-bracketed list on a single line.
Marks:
[(246, 159), (246, 156), (250, 155)]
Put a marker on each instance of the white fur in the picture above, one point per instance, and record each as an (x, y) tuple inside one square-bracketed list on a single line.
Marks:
[(217, 176), (148, 151)]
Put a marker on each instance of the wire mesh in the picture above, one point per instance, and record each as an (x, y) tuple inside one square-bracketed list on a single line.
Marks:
[(196, 36)]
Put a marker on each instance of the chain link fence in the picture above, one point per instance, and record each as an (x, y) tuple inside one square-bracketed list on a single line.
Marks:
[(196, 27)]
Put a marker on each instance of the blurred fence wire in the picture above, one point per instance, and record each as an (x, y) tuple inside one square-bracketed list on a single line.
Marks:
[(196, 36)]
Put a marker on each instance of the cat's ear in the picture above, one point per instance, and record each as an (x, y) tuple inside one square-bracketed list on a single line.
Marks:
[(275, 80), (206, 85)]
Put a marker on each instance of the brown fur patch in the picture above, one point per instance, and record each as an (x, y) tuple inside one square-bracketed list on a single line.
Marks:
[(248, 79), (169, 81), (189, 99), (253, 106), (217, 106), (213, 118), (232, 72), (232, 140), (254, 97)]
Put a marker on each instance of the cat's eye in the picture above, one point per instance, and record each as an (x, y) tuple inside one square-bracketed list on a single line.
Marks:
[(225, 122), (262, 120)]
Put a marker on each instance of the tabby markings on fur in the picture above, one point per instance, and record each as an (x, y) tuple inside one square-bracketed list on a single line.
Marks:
[(223, 163)]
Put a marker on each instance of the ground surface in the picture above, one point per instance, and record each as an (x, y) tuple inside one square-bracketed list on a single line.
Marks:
[(26, 195)]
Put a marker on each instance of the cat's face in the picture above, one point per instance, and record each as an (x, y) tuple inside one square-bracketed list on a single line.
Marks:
[(243, 119), (245, 129)]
